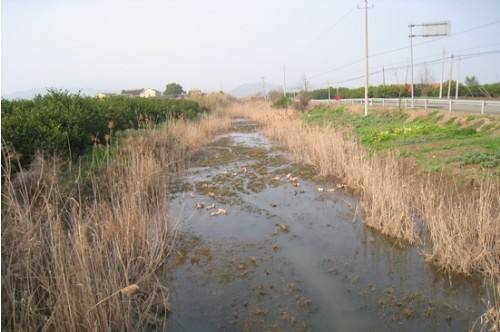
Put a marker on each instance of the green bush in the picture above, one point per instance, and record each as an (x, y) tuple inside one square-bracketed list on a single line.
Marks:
[(282, 102), (400, 91), (484, 159), (60, 122)]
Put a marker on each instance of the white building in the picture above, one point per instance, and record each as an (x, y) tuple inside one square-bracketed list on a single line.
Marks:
[(144, 93)]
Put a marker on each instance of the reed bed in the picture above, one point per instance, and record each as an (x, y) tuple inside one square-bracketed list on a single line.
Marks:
[(457, 224), (74, 261)]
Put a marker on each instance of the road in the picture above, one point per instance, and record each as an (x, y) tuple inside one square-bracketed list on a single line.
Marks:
[(460, 105)]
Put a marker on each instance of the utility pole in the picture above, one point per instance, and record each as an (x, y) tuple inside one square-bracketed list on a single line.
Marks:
[(337, 92), (442, 75), (304, 79), (366, 57), (451, 74), (328, 90), (456, 82), (411, 63), (264, 93), (284, 81), (383, 76)]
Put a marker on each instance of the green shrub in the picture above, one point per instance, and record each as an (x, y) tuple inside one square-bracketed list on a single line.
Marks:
[(282, 102), (60, 122), (484, 159)]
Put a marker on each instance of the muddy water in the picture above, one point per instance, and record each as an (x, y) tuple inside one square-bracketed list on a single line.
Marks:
[(281, 255)]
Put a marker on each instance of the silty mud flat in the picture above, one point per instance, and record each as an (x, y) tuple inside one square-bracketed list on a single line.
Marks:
[(268, 246)]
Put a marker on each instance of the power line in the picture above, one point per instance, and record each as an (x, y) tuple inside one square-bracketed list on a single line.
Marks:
[(394, 68), (404, 48), (333, 26)]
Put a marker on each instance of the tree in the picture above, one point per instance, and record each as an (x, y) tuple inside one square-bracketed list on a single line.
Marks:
[(471, 81), (173, 90), (426, 80)]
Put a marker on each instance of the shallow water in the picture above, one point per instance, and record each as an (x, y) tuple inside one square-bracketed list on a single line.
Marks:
[(288, 257)]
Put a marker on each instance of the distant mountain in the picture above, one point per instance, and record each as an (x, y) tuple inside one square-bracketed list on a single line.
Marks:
[(250, 89), (29, 94)]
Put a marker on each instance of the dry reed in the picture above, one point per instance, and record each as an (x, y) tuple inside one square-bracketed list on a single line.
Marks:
[(459, 225), (73, 262)]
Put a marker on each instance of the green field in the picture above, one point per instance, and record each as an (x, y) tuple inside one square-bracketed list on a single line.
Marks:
[(463, 144)]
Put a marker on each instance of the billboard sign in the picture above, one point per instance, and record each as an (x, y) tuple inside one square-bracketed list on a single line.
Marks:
[(434, 29)]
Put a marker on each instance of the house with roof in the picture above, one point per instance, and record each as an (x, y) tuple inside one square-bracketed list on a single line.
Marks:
[(101, 95), (144, 93)]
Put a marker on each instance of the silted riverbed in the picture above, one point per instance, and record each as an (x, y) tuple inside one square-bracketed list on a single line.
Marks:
[(268, 246)]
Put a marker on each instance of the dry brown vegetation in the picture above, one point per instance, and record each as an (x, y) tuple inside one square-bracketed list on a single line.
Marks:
[(457, 223), (84, 258)]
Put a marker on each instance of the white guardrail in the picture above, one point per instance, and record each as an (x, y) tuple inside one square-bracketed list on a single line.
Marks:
[(464, 105)]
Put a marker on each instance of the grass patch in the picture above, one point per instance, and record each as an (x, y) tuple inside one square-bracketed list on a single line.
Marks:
[(435, 141)]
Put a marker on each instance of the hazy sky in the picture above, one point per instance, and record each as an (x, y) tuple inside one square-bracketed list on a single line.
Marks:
[(116, 44)]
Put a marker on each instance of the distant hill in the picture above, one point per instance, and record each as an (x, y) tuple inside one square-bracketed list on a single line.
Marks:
[(249, 89), (29, 94)]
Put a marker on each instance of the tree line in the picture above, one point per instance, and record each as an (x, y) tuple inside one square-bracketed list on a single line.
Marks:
[(62, 123), (402, 90)]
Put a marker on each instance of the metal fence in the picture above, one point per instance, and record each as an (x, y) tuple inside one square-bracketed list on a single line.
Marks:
[(463, 105)]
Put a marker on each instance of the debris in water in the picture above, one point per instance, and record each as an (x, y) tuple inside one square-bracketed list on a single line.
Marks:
[(304, 302), (254, 260), (200, 205), (274, 205), (288, 176), (331, 190), (276, 178), (191, 194), (211, 194), (321, 189), (283, 227), (408, 312), (210, 207), (340, 185), (243, 170), (195, 259), (260, 312), (219, 211), (286, 317), (275, 247), (242, 267), (295, 184)]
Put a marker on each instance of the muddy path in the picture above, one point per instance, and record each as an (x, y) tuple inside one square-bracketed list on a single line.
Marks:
[(268, 246)]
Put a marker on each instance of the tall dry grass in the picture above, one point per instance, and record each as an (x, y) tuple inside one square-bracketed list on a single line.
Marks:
[(458, 224), (73, 261)]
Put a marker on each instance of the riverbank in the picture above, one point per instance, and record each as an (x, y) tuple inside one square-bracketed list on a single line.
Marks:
[(399, 199), (456, 227), (82, 253), (269, 244), (457, 144)]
